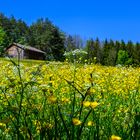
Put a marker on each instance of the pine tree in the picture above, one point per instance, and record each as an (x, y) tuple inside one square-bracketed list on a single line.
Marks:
[(69, 43), (137, 54), (47, 37)]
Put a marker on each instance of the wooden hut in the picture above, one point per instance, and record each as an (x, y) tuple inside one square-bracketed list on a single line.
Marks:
[(16, 50)]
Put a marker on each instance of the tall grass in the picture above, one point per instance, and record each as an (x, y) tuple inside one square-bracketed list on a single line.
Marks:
[(65, 101)]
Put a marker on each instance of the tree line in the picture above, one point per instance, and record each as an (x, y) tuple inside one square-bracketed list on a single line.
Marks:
[(111, 53), (44, 35)]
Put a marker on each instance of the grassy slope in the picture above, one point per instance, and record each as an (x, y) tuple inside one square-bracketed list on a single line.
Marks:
[(31, 61)]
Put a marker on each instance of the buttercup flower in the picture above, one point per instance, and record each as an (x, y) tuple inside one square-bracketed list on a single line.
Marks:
[(52, 99), (86, 103), (90, 123), (113, 137), (76, 121), (94, 104)]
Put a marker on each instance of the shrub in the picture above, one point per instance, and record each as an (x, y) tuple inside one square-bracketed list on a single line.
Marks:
[(77, 55)]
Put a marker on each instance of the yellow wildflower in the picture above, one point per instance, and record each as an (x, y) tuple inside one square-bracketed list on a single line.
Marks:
[(86, 103), (76, 121), (113, 137), (90, 123), (94, 104), (52, 99), (65, 100), (2, 125)]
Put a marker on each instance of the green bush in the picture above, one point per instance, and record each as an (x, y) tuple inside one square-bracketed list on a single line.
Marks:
[(123, 58), (77, 55)]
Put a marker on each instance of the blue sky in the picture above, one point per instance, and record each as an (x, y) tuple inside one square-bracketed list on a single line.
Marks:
[(115, 19)]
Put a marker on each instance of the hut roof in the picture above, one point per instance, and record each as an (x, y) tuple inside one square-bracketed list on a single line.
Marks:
[(26, 48)]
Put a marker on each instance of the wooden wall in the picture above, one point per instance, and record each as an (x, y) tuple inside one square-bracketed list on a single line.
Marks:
[(15, 52)]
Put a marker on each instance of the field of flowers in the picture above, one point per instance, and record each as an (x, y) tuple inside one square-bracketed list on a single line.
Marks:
[(55, 101)]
